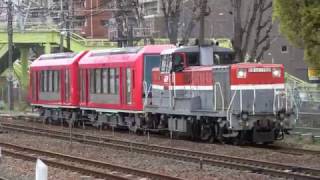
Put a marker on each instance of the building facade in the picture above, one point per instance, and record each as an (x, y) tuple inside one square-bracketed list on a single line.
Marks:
[(219, 24)]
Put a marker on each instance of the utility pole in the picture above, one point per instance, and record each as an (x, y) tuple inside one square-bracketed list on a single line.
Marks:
[(68, 19), (10, 54), (237, 40), (62, 26), (203, 9)]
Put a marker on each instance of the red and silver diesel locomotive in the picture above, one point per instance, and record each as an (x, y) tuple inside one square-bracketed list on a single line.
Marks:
[(192, 91)]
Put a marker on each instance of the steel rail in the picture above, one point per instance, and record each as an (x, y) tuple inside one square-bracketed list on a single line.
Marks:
[(261, 167), (280, 149), (24, 152)]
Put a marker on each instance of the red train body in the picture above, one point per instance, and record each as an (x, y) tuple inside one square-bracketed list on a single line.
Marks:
[(130, 66), (160, 87), (54, 80)]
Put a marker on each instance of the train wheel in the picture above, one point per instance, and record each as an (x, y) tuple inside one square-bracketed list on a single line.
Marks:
[(217, 132), (239, 139), (206, 132)]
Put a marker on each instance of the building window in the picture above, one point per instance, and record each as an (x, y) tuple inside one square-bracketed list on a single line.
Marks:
[(284, 49)]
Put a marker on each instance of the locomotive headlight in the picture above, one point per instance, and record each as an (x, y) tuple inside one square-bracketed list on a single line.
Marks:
[(276, 72), (244, 116), (241, 73)]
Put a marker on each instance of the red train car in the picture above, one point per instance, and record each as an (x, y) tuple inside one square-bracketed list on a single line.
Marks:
[(54, 84), (116, 80)]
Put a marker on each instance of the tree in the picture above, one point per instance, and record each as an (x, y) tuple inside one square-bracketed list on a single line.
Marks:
[(171, 10), (129, 15), (252, 34), (197, 6), (300, 22)]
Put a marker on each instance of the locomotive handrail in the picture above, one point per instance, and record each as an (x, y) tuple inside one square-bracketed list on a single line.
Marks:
[(231, 102), (241, 100), (254, 102), (215, 96), (274, 102), (147, 91)]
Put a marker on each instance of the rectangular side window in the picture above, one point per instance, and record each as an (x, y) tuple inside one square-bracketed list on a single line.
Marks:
[(112, 81), (117, 77), (45, 81), (105, 81), (92, 81), (98, 81)]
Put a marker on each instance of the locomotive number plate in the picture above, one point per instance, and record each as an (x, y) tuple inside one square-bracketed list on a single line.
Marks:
[(257, 70)]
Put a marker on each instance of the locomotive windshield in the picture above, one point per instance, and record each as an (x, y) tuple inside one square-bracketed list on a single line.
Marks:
[(166, 63), (172, 62)]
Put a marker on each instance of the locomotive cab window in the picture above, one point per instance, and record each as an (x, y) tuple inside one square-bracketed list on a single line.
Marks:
[(166, 62), (221, 58), (178, 63), (193, 59)]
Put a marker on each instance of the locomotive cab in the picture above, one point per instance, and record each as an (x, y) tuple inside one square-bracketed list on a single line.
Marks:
[(183, 57)]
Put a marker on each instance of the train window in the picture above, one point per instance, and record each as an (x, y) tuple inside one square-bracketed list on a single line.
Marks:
[(112, 81), (221, 58), (50, 81), (105, 81), (166, 62), (193, 59), (41, 81), (45, 81), (98, 81), (92, 81), (56, 83), (178, 63)]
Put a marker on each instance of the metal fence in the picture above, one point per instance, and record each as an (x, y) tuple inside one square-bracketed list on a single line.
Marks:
[(20, 98), (307, 97)]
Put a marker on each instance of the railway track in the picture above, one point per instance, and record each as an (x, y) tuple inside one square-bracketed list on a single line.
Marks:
[(276, 148), (255, 166), (97, 169)]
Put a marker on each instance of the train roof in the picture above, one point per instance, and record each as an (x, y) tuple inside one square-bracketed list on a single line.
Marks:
[(120, 55), (57, 59), (194, 49)]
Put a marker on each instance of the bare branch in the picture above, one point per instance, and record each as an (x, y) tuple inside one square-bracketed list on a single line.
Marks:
[(250, 26)]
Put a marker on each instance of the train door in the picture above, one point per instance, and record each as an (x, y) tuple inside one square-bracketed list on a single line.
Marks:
[(127, 85), (150, 62), (83, 86), (66, 85), (35, 86)]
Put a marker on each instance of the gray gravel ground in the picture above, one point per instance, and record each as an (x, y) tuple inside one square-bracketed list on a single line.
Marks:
[(185, 170), (16, 169), (157, 164), (248, 152)]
